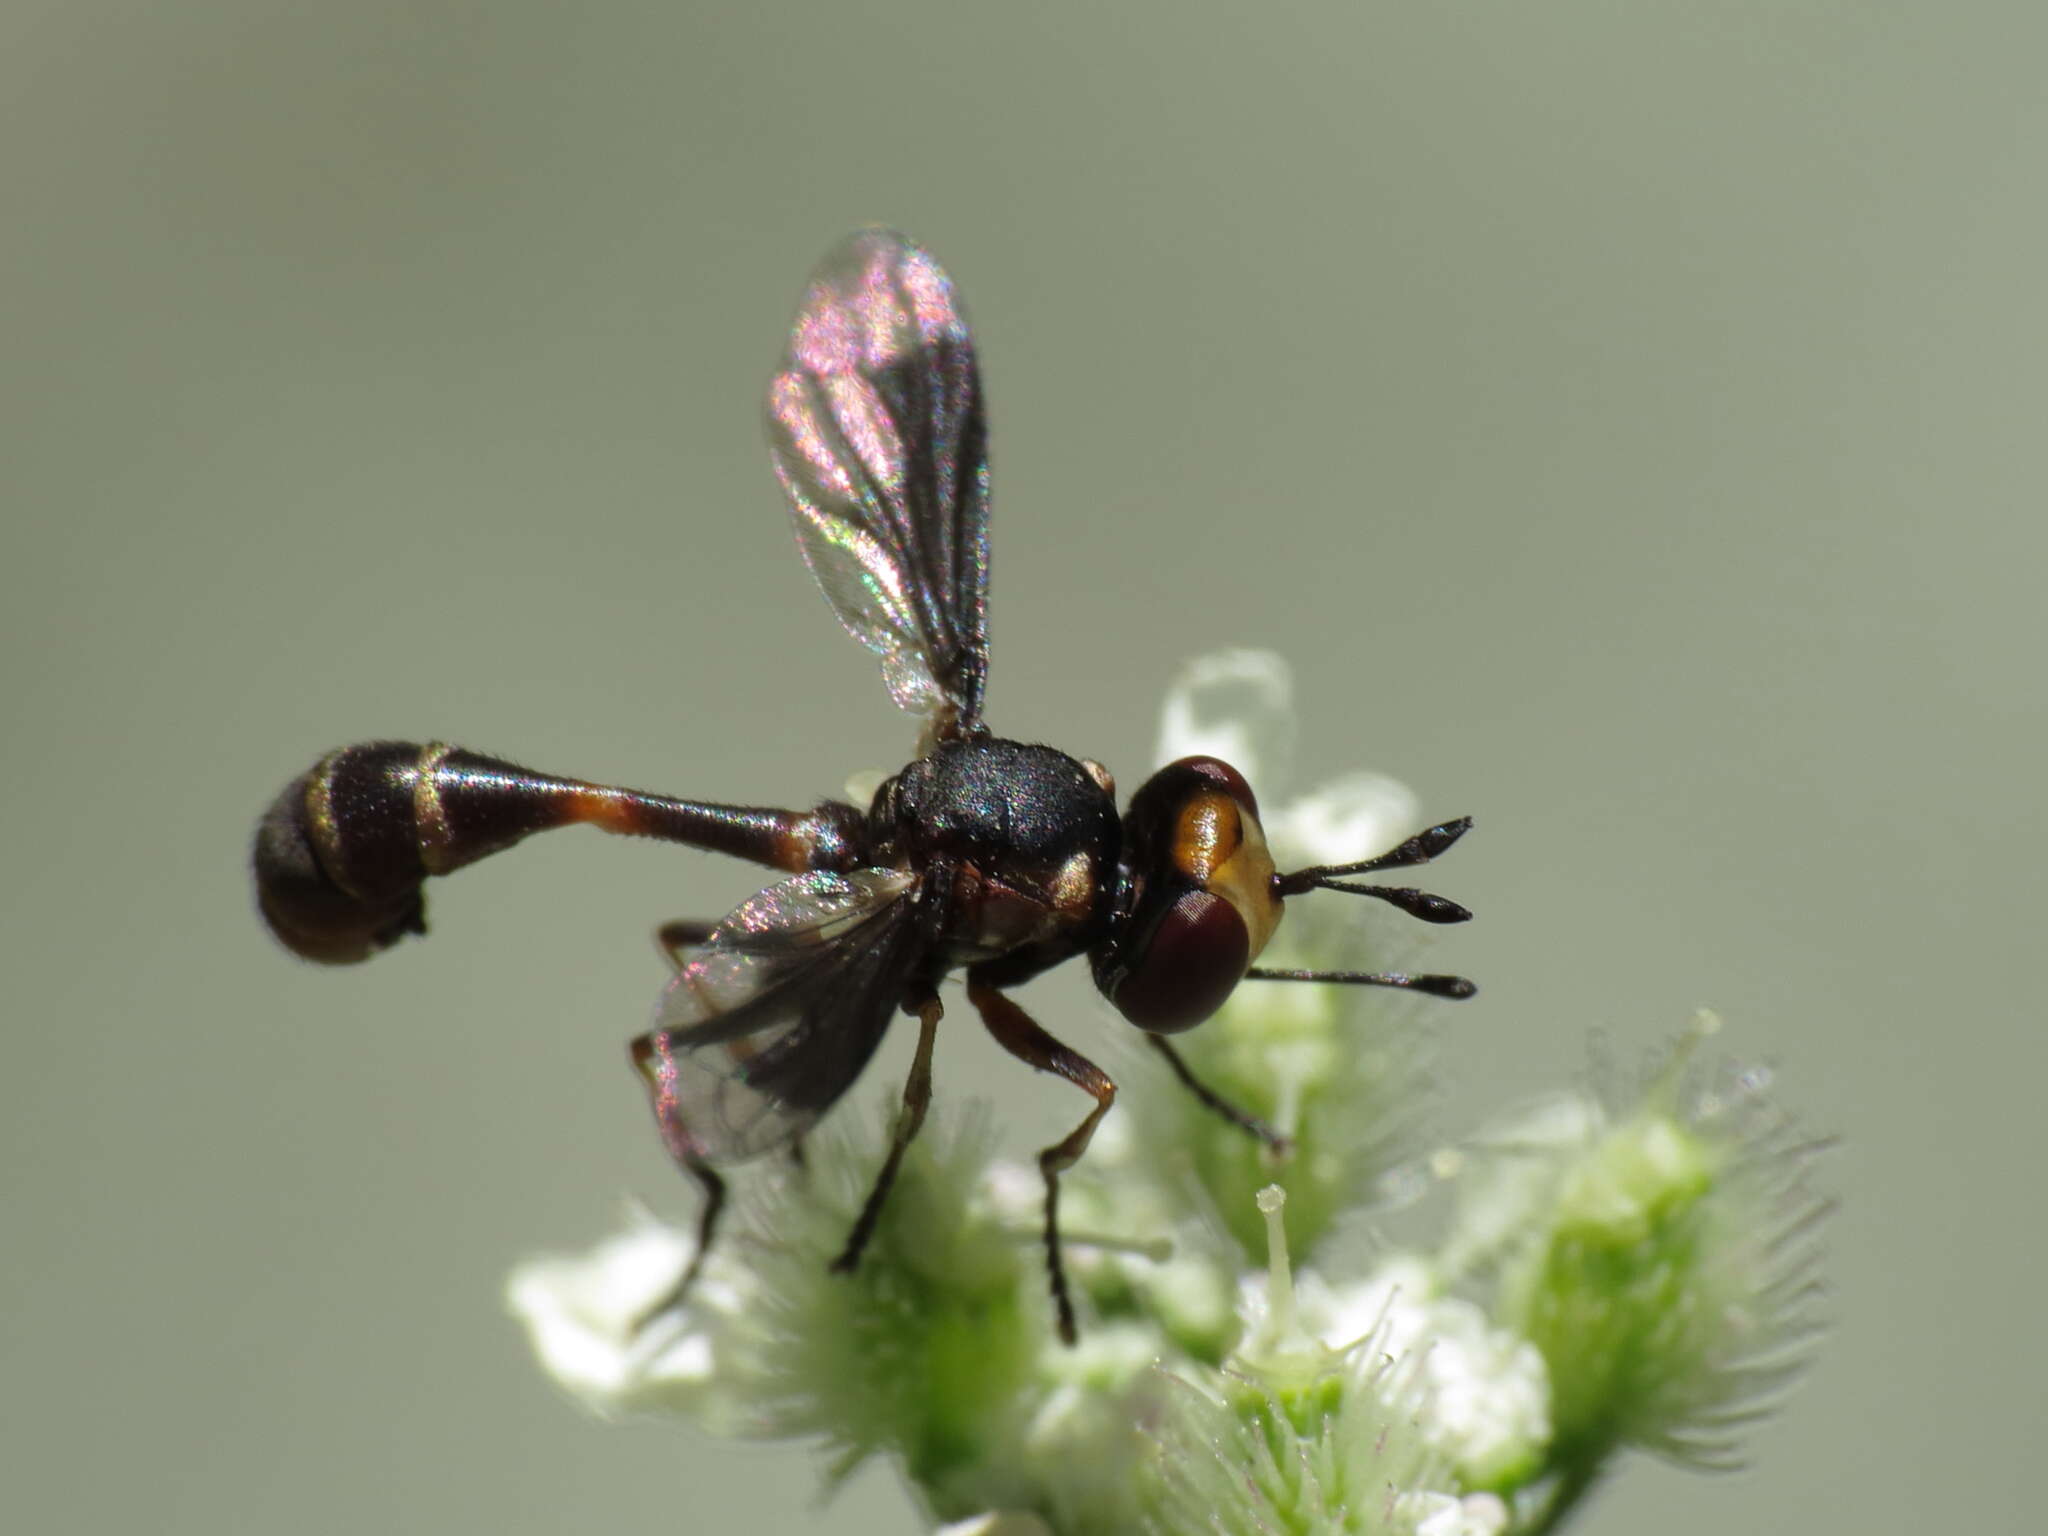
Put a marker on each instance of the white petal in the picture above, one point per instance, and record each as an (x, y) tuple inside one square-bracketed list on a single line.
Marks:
[(586, 1316), (1392, 1306), (1480, 1394), (1236, 705), (1487, 1394)]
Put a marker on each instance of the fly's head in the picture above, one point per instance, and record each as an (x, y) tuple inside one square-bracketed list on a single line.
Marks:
[(1198, 899)]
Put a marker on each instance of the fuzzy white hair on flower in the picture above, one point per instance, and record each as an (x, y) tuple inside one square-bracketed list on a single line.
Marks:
[(1297, 1435), (1668, 1268), (1481, 1394)]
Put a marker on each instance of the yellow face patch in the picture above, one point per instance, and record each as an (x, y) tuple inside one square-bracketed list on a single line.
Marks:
[(1222, 849)]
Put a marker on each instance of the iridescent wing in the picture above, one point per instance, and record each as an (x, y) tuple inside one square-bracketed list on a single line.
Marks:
[(875, 423), (773, 1016)]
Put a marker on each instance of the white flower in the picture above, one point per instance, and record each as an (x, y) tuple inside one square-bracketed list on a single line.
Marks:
[(1236, 705), (1485, 1392), (592, 1321)]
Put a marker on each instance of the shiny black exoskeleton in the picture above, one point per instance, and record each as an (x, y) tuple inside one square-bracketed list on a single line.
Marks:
[(1030, 833)]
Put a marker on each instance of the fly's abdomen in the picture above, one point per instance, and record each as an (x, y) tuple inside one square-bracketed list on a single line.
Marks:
[(341, 853)]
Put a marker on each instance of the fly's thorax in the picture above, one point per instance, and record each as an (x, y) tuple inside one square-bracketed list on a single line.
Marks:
[(1014, 809), (1197, 901), (1029, 834)]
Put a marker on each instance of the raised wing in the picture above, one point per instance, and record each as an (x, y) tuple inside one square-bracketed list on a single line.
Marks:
[(774, 1015), (875, 423)]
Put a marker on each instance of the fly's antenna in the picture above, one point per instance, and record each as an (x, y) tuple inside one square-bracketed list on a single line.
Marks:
[(1419, 849), (1456, 988)]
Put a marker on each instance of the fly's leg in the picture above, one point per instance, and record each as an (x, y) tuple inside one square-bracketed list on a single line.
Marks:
[(1018, 1033), (917, 1098), (676, 938), (707, 1228), (1277, 1144)]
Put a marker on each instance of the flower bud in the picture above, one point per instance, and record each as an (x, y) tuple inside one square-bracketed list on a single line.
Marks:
[(1670, 1283)]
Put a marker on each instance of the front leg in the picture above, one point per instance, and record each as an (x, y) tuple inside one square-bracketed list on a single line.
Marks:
[(1018, 1033), (1275, 1143)]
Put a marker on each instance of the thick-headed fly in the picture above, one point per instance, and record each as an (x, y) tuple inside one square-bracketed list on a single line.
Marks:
[(998, 857)]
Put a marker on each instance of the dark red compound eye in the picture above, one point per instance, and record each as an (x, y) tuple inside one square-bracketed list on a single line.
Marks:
[(1185, 966)]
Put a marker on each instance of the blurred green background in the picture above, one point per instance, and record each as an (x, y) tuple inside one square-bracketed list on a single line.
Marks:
[(1627, 417)]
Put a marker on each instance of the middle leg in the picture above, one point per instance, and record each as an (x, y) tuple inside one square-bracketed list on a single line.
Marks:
[(917, 1098), (1018, 1033), (1278, 1145)]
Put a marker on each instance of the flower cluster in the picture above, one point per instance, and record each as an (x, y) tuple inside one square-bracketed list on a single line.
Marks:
[(1623, 1267)]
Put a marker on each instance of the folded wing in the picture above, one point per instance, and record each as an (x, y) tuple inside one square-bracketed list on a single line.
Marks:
[(773, 1017)]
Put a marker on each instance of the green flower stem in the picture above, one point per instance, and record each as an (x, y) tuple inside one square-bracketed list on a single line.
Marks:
[(1563, 1496)]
